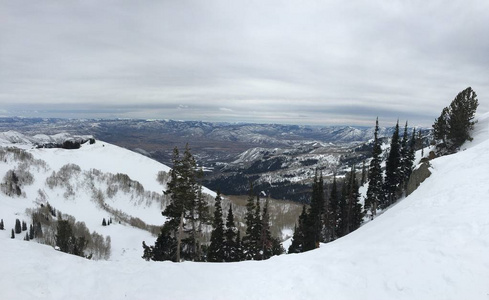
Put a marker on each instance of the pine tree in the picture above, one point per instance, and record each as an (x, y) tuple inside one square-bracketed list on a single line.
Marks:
[(350, 208), (297, 245), (18, 226), (364, 173), (354, 206), (165, 247), (230, 242), (256, 232), (215, 253), (408, 161), (2, 226), (266, 239), (26, 238), (64, 236), (183, 218), (333, 210), (239, 246), (314, 219), (247, 242), (203, 216), (453, 126), (375, 186), (104, 223), (393, 174), (24, 226), (12, 236), (31, 232)]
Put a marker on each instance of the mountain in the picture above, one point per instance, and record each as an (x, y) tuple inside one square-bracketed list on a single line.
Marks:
[(96, 181), (431, 245)]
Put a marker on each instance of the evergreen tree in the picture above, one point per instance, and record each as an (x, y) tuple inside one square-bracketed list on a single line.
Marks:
[(2, 226), (165, 247), (256, 232), (364, 173), (31, 232), (354, 206), (266, 239), (375, 178), (297, 245), (453, 126), (333, 211), (12, 236), (203, 216), (64, 236), (393, 168), (408, 160), (26, 238), (350, 208), (183, 212), (24, 226), (18, 226), (239, 246), (104, 223), (215, 253), (440, 127), (314, 219), (230, 242), (248, 242)]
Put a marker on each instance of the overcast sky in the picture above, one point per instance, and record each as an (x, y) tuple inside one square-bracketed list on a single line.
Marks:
[(297, 62)]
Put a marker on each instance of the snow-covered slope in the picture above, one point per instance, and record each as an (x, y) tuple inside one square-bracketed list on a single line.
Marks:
[(432, 245), (92, 170)]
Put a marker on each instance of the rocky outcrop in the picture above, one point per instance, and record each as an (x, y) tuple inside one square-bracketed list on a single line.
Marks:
[(417, 177)]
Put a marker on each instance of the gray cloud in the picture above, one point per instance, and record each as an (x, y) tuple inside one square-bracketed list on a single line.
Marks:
[(310, 62)]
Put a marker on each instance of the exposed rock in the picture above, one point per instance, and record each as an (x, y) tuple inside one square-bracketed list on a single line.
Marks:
[(417, 177)]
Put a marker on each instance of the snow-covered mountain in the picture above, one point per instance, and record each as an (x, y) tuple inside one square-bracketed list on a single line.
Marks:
[(434, 244)]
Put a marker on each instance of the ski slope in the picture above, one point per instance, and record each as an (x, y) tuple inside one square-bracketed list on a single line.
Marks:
[(434, 244)]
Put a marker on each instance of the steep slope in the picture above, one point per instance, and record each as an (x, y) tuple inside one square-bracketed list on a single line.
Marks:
[(432, 245)]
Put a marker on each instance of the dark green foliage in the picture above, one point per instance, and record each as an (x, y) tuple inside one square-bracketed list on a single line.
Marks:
[(64, 236), (266, 240), (66, 239), (239, 246), (2, 226), (375, 193), (393, 171), (249, 242), (165, 247), (215, 252), (364, 173), (409, 150), (297, 244), (104, 223), (453, 126), (313, 228), (187, 210), (231, 252), (31, 232), (24, 226), (12, 236), (18, 226), (351, 214), (331, 215)]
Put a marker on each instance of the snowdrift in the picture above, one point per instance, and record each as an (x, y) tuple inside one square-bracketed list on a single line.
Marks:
[(432, 245)]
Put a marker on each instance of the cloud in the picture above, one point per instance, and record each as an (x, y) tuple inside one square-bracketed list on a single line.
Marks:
[(272, 61)]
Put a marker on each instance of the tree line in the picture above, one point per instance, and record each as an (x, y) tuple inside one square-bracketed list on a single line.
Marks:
[(329, 218), (188, 217)]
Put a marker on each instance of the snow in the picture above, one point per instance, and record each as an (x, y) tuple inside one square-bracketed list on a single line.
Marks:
[(434, 244)]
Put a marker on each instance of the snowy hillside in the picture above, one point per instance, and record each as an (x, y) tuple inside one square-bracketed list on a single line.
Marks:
[(432, 245), (83, 183)]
